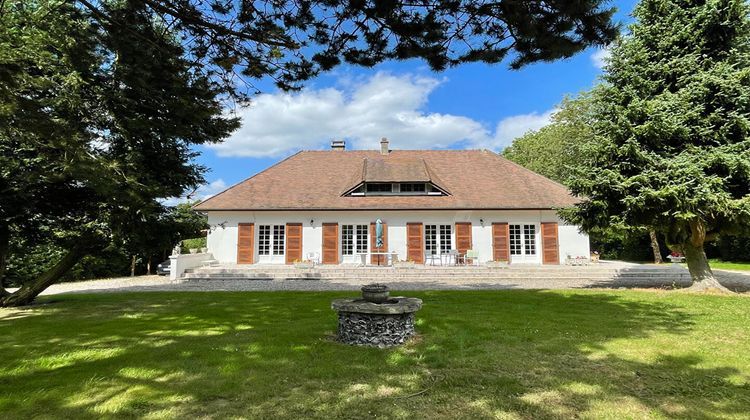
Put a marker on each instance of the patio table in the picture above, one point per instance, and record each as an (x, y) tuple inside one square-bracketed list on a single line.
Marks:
[(388, 257)]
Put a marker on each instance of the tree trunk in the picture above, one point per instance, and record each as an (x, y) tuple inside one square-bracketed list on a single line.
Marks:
[(4, 250), (28, 292), (132, 266), (655, 247), (700, 272), (148, 266)]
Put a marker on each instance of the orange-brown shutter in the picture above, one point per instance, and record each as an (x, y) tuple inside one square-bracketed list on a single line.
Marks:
[(293, 242), (415, 242), (500, 243), (330, 243), (245, 243), (378, 259), (550, 251), (463, 237)]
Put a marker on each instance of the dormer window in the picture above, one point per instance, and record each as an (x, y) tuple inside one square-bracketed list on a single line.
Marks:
[(396, 188)]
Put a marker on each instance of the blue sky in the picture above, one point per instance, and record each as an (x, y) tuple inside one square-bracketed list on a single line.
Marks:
[(471, 106)]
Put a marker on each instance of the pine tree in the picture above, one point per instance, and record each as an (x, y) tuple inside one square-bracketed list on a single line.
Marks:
[(672, 145)]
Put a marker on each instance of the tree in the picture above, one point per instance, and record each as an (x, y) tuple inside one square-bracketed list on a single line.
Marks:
[(95, 128), (292, 41), (554, 150), (102, 101), (671, 149)]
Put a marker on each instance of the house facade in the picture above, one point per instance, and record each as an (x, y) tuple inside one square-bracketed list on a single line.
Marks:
[(346, 207)]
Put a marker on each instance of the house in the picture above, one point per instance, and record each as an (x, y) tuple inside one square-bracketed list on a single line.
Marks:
[(341, 207)]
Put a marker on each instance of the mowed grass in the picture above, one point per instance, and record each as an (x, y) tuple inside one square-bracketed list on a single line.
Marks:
[(479, 354), (726, 265)]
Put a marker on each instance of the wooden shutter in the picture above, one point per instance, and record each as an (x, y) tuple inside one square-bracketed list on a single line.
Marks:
[(463, 237), (550, 250), (245, 243), (330, 243), (293, 242), (378, 259), (415, 242), (500, 243)]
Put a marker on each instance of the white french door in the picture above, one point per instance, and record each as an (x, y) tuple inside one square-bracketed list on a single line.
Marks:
[(523, 243)]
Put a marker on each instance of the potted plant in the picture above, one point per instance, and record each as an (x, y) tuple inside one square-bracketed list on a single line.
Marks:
[(303, 264), (409, 263), (498, 263)]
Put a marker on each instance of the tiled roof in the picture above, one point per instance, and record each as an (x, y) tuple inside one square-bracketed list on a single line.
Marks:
[(315, 180)]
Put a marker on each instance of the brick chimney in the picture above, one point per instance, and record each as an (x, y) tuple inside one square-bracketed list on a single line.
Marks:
[(338, 145), (384, 146)]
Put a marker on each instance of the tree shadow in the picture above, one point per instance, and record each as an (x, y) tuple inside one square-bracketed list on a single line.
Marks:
[(479, 354)]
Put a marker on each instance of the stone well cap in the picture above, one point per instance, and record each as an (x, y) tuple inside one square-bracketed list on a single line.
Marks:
[(394, 306)]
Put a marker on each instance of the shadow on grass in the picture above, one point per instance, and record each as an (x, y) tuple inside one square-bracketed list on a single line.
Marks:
[(479, 354)]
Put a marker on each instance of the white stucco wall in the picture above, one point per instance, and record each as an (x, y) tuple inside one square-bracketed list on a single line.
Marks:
[(222, 239)]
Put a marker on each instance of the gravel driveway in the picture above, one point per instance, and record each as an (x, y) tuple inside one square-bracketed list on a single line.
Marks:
[(735, 280)]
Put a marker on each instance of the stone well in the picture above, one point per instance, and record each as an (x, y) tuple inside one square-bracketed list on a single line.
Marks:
[(376, 319)]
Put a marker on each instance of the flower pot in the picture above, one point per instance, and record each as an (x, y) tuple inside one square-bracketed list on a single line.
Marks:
[(193, 250), (375, 293), (204, 250), (497, 264)]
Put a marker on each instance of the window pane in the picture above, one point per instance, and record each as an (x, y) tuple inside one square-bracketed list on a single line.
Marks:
[(445, 239), (278, 240), (412, 187), (347, 239), (264, 239), (379, 188), (362, 238), (515, 239), (430, 239), (529, 237)]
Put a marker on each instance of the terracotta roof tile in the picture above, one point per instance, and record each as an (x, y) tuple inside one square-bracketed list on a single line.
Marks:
[(312, 180)]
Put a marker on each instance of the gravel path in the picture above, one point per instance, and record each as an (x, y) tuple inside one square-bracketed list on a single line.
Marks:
[(734, 280)]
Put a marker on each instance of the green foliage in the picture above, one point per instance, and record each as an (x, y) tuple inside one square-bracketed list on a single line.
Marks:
[(672, 125), (193, 243), (553, 149), (292, 41)]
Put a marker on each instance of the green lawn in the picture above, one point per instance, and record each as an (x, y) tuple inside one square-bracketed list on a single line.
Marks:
[(724, 265), (506, 354)]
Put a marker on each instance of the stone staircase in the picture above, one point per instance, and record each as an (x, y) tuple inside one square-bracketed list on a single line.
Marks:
[(631, 274)]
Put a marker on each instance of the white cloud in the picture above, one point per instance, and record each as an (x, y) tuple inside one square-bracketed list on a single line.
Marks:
[(600, 57), (510, 128), (203, 192), (363, 111)]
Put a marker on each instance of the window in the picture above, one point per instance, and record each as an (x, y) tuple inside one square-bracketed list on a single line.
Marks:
[(529, 238), (278, 240), (379, 187), (522, 242), (271, 239), (413, 188), (264, 240), (353, 239), (437, 239), (515, 239)]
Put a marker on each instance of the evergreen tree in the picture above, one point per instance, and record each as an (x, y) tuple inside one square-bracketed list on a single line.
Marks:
[(672, 121)]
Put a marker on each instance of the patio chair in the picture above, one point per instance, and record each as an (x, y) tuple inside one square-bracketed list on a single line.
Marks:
[(432, 257), (314, 257), (458, 258), (471, 257)]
